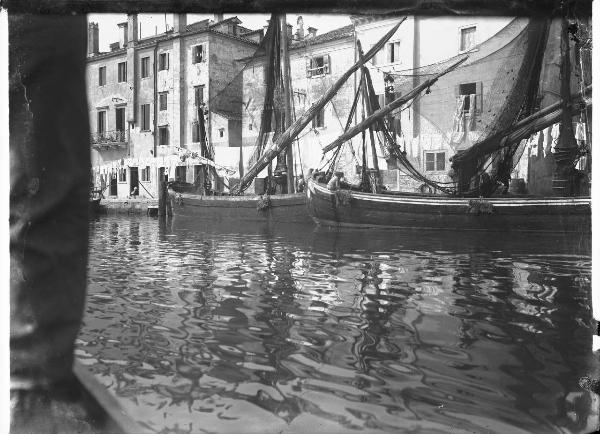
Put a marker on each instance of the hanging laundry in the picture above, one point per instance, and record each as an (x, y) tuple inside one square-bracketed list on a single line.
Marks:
[(580, 132), (472, 112), (555, 136), (458, 129)]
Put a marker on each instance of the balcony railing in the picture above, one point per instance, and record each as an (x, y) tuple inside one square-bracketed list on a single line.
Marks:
[(109, 138)]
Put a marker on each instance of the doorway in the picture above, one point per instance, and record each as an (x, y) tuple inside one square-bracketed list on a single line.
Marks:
[(133, 181), (113, 185)]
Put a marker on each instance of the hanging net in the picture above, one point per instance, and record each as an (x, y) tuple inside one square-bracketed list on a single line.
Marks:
[(477, 124)]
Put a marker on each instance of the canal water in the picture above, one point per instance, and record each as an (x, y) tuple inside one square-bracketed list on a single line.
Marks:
[(233, 328)]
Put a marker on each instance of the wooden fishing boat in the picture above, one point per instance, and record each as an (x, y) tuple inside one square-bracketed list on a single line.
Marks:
[(289, 207), (279, 208), (469, 202), (346, 208)]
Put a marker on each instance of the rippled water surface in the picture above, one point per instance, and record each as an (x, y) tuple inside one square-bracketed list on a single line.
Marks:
[(229, 328)]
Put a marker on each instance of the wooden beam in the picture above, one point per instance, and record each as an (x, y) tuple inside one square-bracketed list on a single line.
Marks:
[(388, 108), (288, 136), (531, 124)]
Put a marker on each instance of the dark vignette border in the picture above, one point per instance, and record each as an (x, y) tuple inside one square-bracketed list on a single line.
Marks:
[(357, 7)]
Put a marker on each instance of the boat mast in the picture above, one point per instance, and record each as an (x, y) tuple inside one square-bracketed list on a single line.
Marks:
[(566, 148), (285, 70), (287, 137), (369, 109)]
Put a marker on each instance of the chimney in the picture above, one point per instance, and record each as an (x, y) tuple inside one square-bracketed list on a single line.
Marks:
[(300, 28), (93, 39), (312, 32), (179, 22), (218, 18), (132, 28), (123, 34)]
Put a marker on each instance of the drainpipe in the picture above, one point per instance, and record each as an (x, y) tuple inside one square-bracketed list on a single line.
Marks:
[(155, 78), (355, 51)]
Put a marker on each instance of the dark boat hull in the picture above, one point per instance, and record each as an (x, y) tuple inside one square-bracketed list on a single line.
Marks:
[(289, 208), (439, 212)]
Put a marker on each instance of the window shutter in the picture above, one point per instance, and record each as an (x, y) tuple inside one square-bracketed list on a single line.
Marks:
[(326, 64), (167, 61), (457, 91), (478, 97), (195, 132)]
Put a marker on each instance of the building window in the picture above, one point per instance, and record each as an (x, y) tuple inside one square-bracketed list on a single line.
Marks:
[(393, 52), (250, 126), (221, 132), (163, 136), (319, 120), (467, 38), (163, 61), (468, 89), (145, 117), (162, 101), (199, 95), (102, 76), (198, 54), (101, 123), (435, 161), (145, 66), (195, 132), (120, 118), (318, 65), (122, 69), (180, 173), (122, 175), (146, 174)]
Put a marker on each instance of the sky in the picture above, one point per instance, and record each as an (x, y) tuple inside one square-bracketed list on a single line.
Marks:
[(150, 24)]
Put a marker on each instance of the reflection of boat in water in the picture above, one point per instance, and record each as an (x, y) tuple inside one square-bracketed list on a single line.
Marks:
[(511, 115), (358, 209)]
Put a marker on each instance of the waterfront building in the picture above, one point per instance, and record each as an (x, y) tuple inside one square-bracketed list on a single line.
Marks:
[(433, 127), (316, 62), (144, 94)]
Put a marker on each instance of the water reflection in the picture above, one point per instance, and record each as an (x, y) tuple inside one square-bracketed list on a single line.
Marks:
[(214, 327)]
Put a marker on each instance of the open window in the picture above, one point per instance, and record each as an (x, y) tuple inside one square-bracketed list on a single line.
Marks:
[(318, 65), (198, 53), (146, 174), (145, 117), (467, 38), (199, 95), (319, 120), (162, 101), (122, 72), (102, 76), (145, 67), (163, 136), (472, 94), (163, 61), (393, 52)]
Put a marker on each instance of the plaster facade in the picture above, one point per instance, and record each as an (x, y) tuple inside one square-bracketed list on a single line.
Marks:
[(149, 105)]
